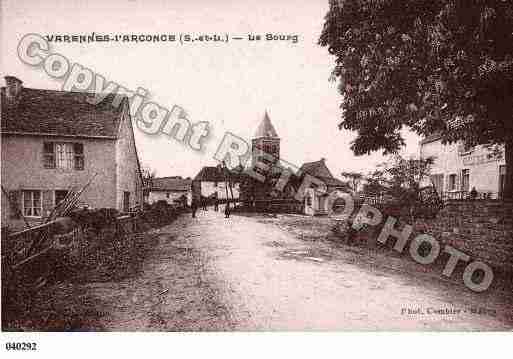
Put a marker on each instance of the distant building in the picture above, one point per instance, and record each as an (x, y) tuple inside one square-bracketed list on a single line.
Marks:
[(316, 199), (459, 168), (267, 141), (172, 190), (265, 149), (210, 181), (213, 182), (53, 141)]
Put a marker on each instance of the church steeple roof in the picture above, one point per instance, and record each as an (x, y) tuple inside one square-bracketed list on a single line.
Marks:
[(266, 128)]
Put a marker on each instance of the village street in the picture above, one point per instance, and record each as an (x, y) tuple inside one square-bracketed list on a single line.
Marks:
[(245, 273)]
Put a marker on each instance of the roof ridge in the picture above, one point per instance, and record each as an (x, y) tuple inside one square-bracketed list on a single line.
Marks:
[(72, 92)]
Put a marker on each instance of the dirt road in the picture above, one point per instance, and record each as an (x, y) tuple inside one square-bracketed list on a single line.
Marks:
[(242, 273)]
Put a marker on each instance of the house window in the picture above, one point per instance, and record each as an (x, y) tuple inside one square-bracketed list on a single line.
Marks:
[(438, 182), (63, 155), (32, 204), (452, 182), (309, 201), (167, 195), (465, 180)]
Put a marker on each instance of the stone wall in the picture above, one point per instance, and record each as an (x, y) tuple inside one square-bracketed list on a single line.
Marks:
[(481, 229)]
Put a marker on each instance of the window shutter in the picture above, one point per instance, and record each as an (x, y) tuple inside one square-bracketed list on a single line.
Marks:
[(47, 202), (48, 155), (15, 204), (78, 153)]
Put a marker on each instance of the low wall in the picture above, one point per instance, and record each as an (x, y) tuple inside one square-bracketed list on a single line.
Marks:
[(271, 206), (481, 229)]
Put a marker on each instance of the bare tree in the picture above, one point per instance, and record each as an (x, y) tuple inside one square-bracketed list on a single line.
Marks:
[(148, 175)]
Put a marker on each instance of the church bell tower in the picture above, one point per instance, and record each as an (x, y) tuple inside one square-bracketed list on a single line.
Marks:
[(265, 140)]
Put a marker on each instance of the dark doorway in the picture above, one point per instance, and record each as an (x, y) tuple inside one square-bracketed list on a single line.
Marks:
[(465, 180), (126, 201), (502, 179)]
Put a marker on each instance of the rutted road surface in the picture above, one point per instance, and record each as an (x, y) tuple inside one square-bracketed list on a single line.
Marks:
[(212, 273)]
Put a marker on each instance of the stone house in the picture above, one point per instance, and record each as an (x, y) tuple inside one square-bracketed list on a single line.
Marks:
[(211, 182), (54, 141), (459, 168), (171, 190), (316, 200)]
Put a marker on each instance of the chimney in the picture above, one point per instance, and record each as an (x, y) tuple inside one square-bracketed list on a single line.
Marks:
[(13, 87), (323, 159)]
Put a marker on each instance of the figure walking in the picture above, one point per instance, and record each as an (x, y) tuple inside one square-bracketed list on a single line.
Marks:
[(194, 208), (227, 210)]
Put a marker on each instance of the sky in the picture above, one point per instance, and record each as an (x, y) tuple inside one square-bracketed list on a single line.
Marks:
[(230, 85)]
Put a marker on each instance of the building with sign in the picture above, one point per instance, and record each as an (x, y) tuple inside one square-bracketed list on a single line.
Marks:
[(459, 168)]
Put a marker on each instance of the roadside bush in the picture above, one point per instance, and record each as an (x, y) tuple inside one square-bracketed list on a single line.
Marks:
[(161, 213)]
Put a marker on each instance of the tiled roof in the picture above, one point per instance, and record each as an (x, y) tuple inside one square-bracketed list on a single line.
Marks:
[(48, 112), (266, 128), (316, 168), (171, 184), (215, 174), (319, 170)]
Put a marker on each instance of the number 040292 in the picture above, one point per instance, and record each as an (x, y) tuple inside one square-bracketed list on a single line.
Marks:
[(21, 346)]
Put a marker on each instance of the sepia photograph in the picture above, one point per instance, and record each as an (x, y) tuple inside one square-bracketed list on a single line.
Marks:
[(325, 167)]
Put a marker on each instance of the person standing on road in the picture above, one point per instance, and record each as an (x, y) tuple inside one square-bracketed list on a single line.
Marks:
[(227, 210), (194, 208)]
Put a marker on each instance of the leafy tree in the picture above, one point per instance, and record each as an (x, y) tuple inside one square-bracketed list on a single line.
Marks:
[(406, 177), (355, 178), (375, 183), (404, 184), (434, 66)]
